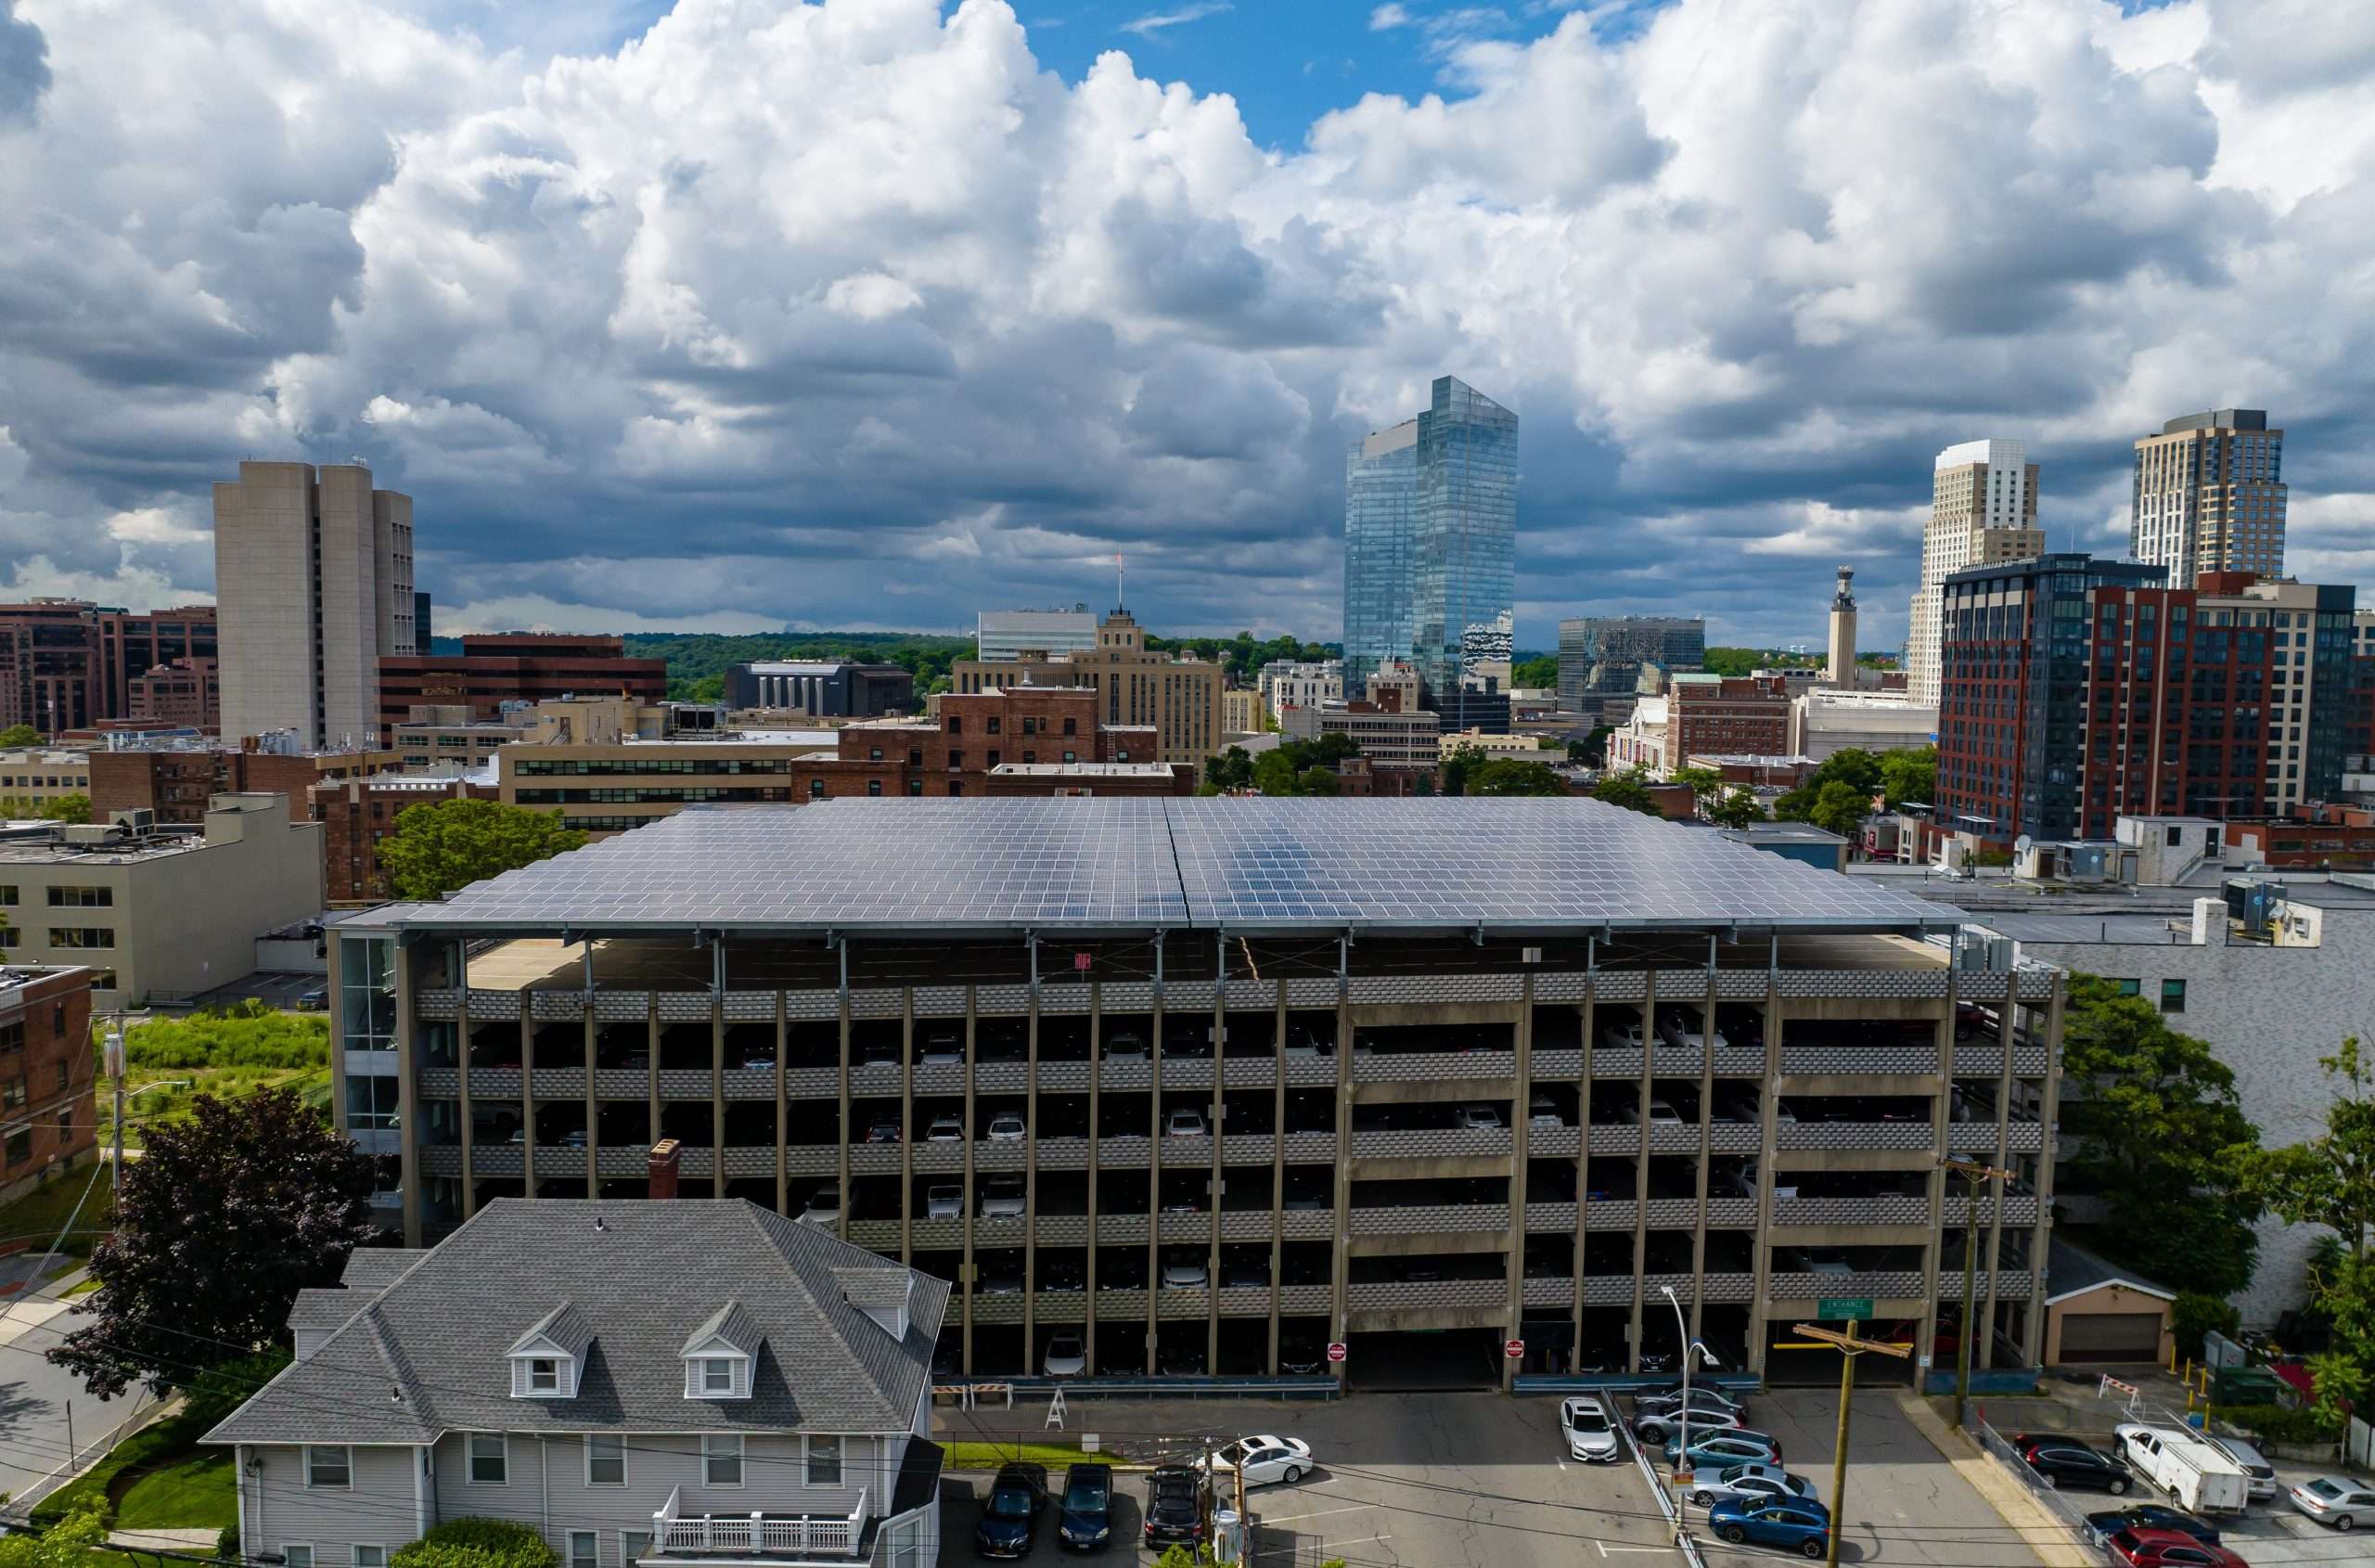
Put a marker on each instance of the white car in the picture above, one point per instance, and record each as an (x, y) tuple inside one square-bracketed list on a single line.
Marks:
[(1625, 1037), (1006, 1127), (824, 1206), (1002, 1198), (1184, 1123), (1125, 1045), (1541, 1112), (1591, 1436), (1477, 1119), (1656, 1426), (1749, 1482), (1662, 1114), (1183, 1274), (945, 1129), (2336, 1500), (1067, 1356), (1263, 1459), (943, 1051), (945, 1202)]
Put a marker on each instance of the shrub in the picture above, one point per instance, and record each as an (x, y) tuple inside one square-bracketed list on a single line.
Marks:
[(227, 1543), (250, 1035), (2281, 1423), (477, 1543), (227, 1386)]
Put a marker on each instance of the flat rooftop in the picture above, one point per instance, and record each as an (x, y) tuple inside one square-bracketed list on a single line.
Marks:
[(1511, 867)]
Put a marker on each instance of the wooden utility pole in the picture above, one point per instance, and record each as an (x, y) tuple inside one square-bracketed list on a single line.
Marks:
[(1849, 1347)]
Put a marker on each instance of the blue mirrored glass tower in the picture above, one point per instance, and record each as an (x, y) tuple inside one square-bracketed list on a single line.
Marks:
[(1430, 547)]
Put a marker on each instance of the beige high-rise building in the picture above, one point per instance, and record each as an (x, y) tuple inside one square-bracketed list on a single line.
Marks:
[(312, 579), (1839, 670), (1181, 698), (1983, 510), (2209, 496)]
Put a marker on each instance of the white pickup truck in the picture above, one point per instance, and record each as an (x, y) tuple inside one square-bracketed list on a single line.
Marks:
[(2195, 1474)]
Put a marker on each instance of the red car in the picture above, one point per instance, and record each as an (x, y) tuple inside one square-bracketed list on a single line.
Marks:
[(2167, 1549)]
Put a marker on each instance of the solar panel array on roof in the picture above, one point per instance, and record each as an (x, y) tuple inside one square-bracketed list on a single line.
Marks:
[(860, 864)]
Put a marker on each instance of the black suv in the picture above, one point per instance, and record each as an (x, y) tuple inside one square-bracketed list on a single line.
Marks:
[(1176, 1506), (1087, 1520), (2065, 1461), (1011, 1518)]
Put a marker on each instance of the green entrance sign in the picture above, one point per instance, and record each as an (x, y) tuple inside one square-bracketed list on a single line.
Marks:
[(1834, 1308)]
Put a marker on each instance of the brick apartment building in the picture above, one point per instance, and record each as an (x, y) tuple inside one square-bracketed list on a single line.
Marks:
[(178, 694), (48, 1119), (71, 664), (1048, 739), (2313, 838), (515, 666), (1734, 716), (176, 782), (357, 814), (2075, 691)]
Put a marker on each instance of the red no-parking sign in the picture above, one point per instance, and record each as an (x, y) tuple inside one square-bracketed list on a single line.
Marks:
[(1336, 1350), (1514, 1350)]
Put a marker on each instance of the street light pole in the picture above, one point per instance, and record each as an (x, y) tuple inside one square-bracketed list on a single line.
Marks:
[(1974, 1174), (1849, 1347), (115, 1070)]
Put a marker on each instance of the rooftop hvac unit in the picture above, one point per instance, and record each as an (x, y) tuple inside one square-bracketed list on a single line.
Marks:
[(2252, 903), (1981, 951)]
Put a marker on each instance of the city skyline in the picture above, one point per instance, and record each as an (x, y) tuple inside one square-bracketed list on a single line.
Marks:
[(1139, 289)]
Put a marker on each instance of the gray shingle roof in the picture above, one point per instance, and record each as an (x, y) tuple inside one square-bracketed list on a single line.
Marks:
[(376, 1268), (729, 1323), (2071, 1270), (428, 1353), (324, 1308), (564, 1328)]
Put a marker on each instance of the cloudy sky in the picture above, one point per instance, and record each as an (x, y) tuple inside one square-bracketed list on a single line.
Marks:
[(736, 313)]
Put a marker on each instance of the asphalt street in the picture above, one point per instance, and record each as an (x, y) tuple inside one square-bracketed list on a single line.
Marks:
[(36, 1396)]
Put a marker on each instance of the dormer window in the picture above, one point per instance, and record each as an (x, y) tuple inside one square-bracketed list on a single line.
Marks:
[(544, 1360), (719, 1355)]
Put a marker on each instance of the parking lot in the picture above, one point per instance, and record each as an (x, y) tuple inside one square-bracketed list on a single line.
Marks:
[(2270, 1534), (1483, 1480)]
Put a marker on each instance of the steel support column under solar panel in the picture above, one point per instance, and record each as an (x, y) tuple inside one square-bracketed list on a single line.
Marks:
[(1768, 1175), (1520, 1125), (1340, 1272), (1216, 1179), (1277, 1164), (1096, 1129), (971, 1270)]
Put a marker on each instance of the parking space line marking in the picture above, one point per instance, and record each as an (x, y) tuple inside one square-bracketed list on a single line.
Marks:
[(1268, 1520)]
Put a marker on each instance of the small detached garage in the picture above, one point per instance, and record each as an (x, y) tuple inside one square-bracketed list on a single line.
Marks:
[(2096, 1313)]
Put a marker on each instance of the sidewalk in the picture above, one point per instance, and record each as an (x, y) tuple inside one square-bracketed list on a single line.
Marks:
[(2038, 1530)]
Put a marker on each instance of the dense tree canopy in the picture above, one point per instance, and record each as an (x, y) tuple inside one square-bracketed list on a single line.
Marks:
[(2159, 1137), (439, 846), (1909, 776), (19, 735), (221, 1222), (1513, 775), (57, 808), (1536, 674), (1629, 790)]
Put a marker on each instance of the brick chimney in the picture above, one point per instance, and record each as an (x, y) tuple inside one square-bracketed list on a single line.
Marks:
[(663, 1168)]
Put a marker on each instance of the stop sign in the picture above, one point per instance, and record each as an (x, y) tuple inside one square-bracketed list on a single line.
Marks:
[(1514, 1350), (1336, 1350)]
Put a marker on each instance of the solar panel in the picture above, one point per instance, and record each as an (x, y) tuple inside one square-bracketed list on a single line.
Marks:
[(1234, 863)]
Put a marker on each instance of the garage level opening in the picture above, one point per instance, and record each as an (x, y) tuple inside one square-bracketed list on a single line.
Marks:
[(1421, 1359), (1791, 1361)]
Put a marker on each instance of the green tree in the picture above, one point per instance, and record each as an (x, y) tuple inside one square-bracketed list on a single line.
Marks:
[(1909, 775), (1315, 780), (1456, 767), (1541, 671), (1703, 781), (1231, 770), (280, 1198), (1275, 774), (1594, 746), (1839, 808), (19, 735), (439, 846), (67, 1544), (2157, 1134), (2330, 1180), (1629, 790), (1508, 776), (1735, 808)]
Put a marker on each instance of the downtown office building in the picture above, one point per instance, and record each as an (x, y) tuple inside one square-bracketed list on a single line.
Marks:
[(1207, 1084), (1430, 516)]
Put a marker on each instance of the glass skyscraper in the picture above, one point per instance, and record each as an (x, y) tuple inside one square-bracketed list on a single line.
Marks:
[(1430, 547)]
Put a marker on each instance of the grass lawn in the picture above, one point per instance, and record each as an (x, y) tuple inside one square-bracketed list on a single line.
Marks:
[(172, 1104), (39, 1214), (83, 1287), (969, 1455), (196, 1494)]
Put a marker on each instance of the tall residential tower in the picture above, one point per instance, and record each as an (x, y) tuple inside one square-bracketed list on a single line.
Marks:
[(312, 573), (1431, 545), (1983, 510), (2209, 496)]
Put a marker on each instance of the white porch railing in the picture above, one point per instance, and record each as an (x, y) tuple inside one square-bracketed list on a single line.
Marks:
[(756, 1535)]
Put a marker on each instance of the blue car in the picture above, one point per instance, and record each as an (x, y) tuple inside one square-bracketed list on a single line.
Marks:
[(1798, 1525), (1722, 1450)]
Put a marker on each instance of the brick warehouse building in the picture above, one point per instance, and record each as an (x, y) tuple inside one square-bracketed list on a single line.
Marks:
[(1004, 740), (515, 666), (2075, 691), (1738, 716), (48, 1118), (998, 1038)]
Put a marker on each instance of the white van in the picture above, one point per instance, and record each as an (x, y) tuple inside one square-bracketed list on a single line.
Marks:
[(2191, 1471)]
